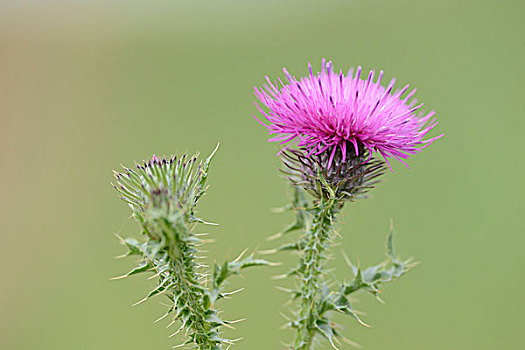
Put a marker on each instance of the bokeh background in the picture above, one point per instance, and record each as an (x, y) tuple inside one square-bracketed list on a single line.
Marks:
[(87, 85)]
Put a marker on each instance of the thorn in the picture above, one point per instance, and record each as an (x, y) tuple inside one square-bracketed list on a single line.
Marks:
[(274, 237), (208, 223), (268, 252), (240, 256), (337, 341), (201, 234), (363, 324), (337, 234), (288, 303), (411, 266), (237, 321), (279, 277), (161, 317), (140, 301), (352, 343), (280, 209), (228, 341), (360, 313), (285, 317), (228, 326), (234, 292), (172, 323), (122, 240), (283, 289), (156, 275), (118, 277), (171, 335), (333, 345)]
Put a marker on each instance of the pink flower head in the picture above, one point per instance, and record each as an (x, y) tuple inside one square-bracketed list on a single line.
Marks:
[(329, 110)]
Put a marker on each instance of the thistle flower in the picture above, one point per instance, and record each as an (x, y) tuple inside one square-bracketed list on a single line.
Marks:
[(330, 126), (327, 111)]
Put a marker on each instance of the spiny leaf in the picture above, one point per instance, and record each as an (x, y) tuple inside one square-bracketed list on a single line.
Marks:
[(143, 267), (373, 276), (133, 246), (211, 316), (227, 269), (326, 330)]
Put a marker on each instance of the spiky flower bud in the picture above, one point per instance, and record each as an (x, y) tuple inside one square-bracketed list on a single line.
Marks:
[(162, 194)]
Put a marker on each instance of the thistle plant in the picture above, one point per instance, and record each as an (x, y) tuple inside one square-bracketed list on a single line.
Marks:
[(331, 126), (162, 195)]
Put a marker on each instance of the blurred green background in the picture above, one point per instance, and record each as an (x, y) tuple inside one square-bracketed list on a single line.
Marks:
[(87, 85)]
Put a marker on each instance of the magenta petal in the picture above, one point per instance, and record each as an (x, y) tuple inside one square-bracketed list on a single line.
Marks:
[(329, 108)]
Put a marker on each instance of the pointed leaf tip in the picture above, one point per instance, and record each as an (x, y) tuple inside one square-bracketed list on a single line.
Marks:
[(390, 243)]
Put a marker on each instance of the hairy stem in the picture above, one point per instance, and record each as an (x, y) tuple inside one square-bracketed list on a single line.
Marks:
[(311, 264), (183, 276), (199, 325), (193, 294)]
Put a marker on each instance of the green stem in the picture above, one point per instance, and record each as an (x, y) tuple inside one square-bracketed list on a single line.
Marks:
[(184, 269), (311, 264), (193, 297)]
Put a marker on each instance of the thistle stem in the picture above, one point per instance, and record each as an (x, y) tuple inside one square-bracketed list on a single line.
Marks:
[(193, 298), (311, 264), (187, 293)]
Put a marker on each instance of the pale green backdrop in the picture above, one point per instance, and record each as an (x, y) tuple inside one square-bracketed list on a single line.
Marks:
[(86, 85)]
